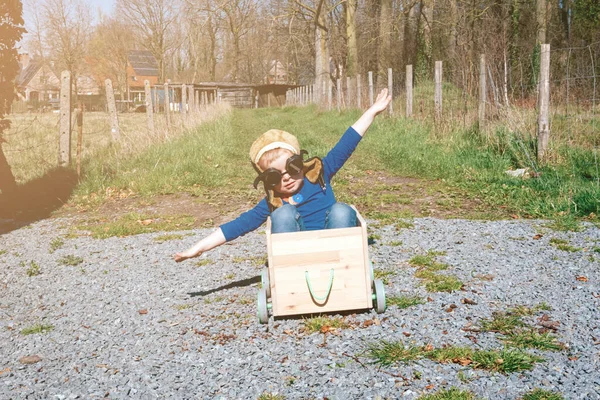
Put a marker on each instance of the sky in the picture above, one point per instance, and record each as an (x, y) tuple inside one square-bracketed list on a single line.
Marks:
[(106, 6)]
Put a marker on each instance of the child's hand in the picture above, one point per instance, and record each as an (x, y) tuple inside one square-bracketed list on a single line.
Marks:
[(184, 255), (382, 102)]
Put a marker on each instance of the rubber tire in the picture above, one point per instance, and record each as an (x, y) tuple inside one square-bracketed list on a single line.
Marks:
[(265, 282), (262, 309), (379, 301)]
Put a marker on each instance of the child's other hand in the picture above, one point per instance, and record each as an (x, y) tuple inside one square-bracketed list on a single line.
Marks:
[(184, 255), (382, 101)]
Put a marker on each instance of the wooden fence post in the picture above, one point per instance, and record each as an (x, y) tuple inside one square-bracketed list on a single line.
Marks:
[(167, 105), (391, 91), (438, 90), (358, 92), (64, 149), (339, 94), (370, 88), (149, 113), (409, 90), (112, 111), (482, 92), (183, 102), (191, 98), (79, 119), (544, 103)]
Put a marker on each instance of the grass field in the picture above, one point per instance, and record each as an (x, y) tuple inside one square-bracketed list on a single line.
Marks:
[(212, 159)]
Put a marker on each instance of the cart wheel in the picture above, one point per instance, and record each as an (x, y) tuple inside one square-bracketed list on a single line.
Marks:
[(379, 300), (263, 311), (265, 282), (371, 271)]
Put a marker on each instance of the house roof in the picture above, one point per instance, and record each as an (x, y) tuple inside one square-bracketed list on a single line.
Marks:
[(143, 62), (28, 73)]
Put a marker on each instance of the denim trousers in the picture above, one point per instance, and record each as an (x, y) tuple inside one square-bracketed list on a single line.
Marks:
[(287, 219)]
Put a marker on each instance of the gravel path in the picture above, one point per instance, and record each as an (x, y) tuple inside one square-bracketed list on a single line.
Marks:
[(127, 322)]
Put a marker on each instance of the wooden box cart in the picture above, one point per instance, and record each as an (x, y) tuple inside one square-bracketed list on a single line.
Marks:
[(318, 271)]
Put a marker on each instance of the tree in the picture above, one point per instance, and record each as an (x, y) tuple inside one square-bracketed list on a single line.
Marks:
[(11, 31), (153, 21), (67, 33)]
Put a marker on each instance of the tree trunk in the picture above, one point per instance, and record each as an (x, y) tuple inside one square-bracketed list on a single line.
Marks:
[(411, 34), (322, 73), (384, 49), (540, 13), (352, 56)]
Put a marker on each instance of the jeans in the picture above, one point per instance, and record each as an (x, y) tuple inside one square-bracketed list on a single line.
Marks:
[(287, 218)]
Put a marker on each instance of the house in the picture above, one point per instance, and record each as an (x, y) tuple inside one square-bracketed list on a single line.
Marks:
[(277, 73), (37, 83), (141, 66)]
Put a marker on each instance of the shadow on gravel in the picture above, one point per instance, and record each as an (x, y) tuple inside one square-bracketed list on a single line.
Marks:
[(242, 283), (36, 199)]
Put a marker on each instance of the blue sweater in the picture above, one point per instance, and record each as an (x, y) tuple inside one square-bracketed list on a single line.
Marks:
[(315, 201)]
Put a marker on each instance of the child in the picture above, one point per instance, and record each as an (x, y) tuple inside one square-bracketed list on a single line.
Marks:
[(299, 195)]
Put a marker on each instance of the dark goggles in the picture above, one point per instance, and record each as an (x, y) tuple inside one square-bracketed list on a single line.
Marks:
[(271, 176)]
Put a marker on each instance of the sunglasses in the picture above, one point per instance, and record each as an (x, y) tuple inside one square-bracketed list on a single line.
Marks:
[(271, 176)]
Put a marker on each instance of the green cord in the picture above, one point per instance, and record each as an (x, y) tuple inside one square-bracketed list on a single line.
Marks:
[(314, 296)]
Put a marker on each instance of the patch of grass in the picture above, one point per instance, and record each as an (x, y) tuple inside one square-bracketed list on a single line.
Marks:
[(395, 243), (383, 275), (530, 338), (521, 310), (504, 323), (56, 244), (505, 360), (388, 353), (449, 394), (427, 267), (563, 245), (271, 396), (203, 262), (320, 323), (404, 301), (167, 237), (540, 394), (135, 224), (37, 329), (565, 224), (181, 307), (34, 269), (229, 276), (2, 252), (70, 260)]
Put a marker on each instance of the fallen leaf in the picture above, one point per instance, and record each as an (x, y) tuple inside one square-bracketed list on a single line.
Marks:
[(444, 332), (429, 387), (463, 361), (472, 338), (429, 299), (538, 236), (30, 359), (451, 308), (429, 347), (573, 358), (288, 332), (550, 324), (5, 370), (468, 301), (582, 278), (514, 216), (145, 222), (368, 323), (407, 334), (143, 312), (499, 361)]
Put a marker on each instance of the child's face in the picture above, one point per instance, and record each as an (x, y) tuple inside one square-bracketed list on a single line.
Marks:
[(289, 184)]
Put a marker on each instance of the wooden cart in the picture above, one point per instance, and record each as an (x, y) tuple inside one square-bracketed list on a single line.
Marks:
[(318, 271)]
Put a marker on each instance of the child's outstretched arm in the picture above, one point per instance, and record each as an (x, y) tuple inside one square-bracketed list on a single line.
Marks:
[(380, 104), (211, 241)]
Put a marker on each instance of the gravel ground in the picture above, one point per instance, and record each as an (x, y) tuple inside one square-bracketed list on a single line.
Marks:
[(128, 322)]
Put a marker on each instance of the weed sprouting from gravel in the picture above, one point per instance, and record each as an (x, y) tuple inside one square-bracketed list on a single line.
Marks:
[(56, 244), (449, 394), (541, 394), (71, 260), (404, 301), (37, 329)]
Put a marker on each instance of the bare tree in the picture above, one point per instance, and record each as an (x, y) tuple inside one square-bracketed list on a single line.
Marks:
[(153, 21), (67, 32)]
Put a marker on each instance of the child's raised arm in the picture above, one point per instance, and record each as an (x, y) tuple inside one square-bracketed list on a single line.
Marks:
[(211, 241), (380, 104)]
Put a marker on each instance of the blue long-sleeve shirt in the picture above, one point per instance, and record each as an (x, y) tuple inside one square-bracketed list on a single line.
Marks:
[(315, 201)]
